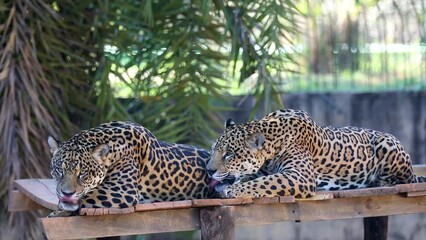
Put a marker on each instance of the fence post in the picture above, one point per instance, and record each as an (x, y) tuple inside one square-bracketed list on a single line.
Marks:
[(217, 223), (376, 228)]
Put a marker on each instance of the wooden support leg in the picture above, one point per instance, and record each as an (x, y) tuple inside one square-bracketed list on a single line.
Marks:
[(217, 223), (376, 228)]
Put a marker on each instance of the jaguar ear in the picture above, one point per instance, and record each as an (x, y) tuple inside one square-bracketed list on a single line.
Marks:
[(256, 140), (229, 123), (53, 144), (100, 152)]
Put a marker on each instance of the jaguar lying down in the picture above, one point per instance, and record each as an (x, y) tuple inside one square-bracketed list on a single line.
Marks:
[(287, 153), (119, 164)]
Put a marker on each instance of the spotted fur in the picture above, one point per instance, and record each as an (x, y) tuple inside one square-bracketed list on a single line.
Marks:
[(287, 153), (119, 164)]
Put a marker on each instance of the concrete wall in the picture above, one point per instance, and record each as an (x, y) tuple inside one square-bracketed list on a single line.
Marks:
[(402, 114)]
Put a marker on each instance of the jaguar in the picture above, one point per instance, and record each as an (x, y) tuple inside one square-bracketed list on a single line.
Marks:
[(287, 153), (121, 164)]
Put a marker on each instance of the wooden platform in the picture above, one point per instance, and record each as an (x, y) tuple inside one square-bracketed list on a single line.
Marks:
[(198, 214)]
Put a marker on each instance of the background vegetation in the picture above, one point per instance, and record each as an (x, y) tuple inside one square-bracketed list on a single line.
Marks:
[(173, 65), (62, 62)]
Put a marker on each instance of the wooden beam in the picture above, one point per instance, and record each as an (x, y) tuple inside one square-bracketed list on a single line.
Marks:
[(359, 207), (415, 194), (261, 214), (266, 200), (19, 202), (217, 223), (220, 202), (365, 192), (245, 215), (105, 211), (163, 205), (413, 187), (332, 209), (82, 227)]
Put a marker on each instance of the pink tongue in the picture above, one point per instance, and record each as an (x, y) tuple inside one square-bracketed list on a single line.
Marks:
[(69, 200), (213, 183)]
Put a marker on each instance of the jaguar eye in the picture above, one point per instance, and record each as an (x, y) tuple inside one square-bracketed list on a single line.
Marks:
[(82, 175), (57, 174), (228, 156)]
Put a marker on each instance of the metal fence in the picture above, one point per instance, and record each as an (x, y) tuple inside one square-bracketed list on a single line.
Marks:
[(361, 46)]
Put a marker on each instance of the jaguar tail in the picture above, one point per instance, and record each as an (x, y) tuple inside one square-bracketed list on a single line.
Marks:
[(420, 179)]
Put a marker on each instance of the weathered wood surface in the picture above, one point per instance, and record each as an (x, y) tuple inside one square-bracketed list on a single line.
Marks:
[(415, 194), (163, 205), (220, 202), (105, 211), (377, 191), (82, 227), (359, 207), (245, 215), (217, 223), (41, 191), (20, 202), (402, 188)]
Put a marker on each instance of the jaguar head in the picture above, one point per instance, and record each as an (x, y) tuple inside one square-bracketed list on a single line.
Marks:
[(77, 170), (239, 151)]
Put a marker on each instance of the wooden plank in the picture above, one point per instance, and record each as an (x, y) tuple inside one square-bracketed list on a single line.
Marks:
[(217, 223), (262, 214), (368, 206), (163, 205), (220, 202), (332, 209), (412, 187), (83, 227), (19, 202), (415, 194), (42, 191), (266, 200), (105, 211), (287, 199), (376, 228), (245, 215), (377, 191), (274, 200)]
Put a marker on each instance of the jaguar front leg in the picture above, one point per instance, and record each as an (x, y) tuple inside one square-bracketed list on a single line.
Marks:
[(119, 189), (294, 175), (280, 184)]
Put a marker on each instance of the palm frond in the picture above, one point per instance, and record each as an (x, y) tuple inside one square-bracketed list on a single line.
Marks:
[(62, 63)]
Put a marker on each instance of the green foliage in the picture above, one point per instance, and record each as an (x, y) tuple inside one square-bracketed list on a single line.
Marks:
[(40, 79), (174, 56), (62, 63)]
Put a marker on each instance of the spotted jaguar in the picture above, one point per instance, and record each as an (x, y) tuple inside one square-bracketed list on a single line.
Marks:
[(120, 164), (287, 153)]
